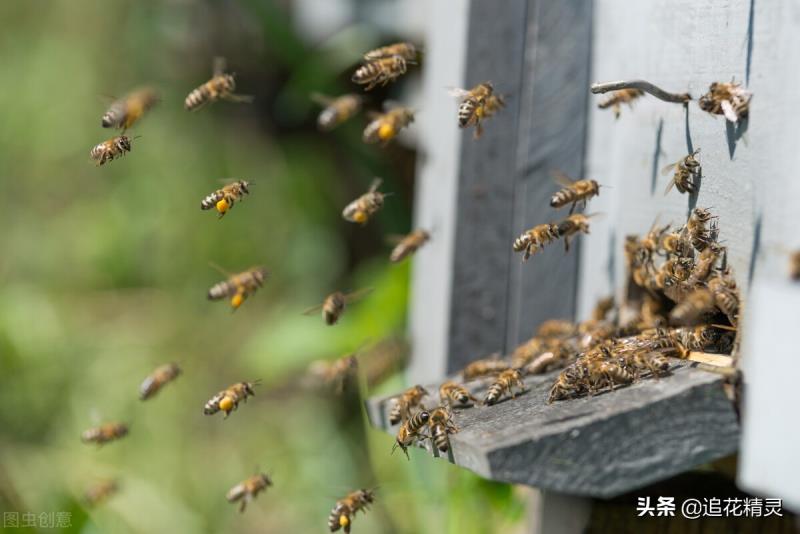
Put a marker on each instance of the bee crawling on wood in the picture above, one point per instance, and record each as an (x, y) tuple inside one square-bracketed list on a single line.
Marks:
[(361, 209), (125, 112), (453, 394), (411, 431), (345, 510), (228, 399), (105, 433), (405, 50), (477, 104), (248, 489), (224, 198), (238, 286), (336, 111), (505, 384), (381, 71), (334, 304), (441, 426), (401, 408), (162, 376), (617, 98), (573, 191), (408, 245), (532, 241), (728, 99), (109, 150), (221, 86), (384, 127), (687, 171)]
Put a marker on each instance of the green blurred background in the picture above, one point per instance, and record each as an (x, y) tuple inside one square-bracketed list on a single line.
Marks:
[(105, 272)]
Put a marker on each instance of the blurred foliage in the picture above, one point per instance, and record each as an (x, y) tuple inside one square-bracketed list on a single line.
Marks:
[(105, 272)]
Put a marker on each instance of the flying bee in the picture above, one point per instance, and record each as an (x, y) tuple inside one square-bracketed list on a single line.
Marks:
[(228, 400), (574, 191), (333, 305), (401, 409), (105, 433), (405, 50), (410, 431), (100, 492), (572, 225), (453, 394), (248, 489), (533, 240), (345, 509), (223, 199), (339, 371), (239, 286), (361, 209), (505, 383), (687, 171), (408, 245), (162, 376), (381, 71), (126, 111), (336, 111), (617, 98), (697, 303), (109, 150), (221, 86), (441, 426), (728, 99), (477, 104), (485, 367), (385, 126)]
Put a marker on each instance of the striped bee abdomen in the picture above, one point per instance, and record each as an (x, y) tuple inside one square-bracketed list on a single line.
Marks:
[(211, 200)]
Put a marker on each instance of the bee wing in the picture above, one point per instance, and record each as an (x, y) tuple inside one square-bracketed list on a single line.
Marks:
[(242, 99), (669, 167), (219, 65), (457, 92), (358, 294), (394, 239), (218, 268), (312, 310), (562, 179), (376, 183), (727, 110), (322, 100), (669, 187)]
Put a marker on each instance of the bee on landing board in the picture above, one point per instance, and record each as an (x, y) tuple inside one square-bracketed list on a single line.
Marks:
[(728, 99), (162, 376), (453, 394), (384, 127), (402, 405), (221, 86), (248, 489), (100, 492), (105, 433), (381, 71), (411, 431), (492, 365), (361, 209), (345, 509), (405, 50), (333, 305), (477, 104), (687, 170), (441, 426), (223, 199), (574, 191), (408, 245), (617, 98), (238, 286), (228, 399), (336, 111), (125, 112), (109, 150), (505, 383)]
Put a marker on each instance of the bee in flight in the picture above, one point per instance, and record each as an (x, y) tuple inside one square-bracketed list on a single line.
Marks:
[(333, 305), (100, 492), (401, 407), (111, 149), (334, 374), (623, 96), (345, 509), (687, 171), (385, 126), (248, 489), (221, 86), (337, 110), (477, 104), (238, 286), (223, 199), (573, 224), (728, 99), (105, 433), (408, 245), (574, 191), (125, 112), (228, 400), (381, 71), (365, 206), (405, 50), (532, 241), (162, 376)]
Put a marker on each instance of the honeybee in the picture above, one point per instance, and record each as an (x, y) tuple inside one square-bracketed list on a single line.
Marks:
[(699, 235), (697, 303), (654, 362), (162, 376), (533, 240), (381, 71), (405, 50), (100, 492), (401, 409), (505, 383), (687, 172), (574, 191), (248, 489), (477, 104), (794, 265), (728, 99), (540, 363), (334, 374), (124, 113), (726, 297), (410, 431), (451, 393), (220, 87), (675, 243), (705, 262), (361, 209), (623, 96), (569, 383), (109, 150), (702, 337), (385, 126), (239, 286), (223, 199), (408, 245), (333, 305), (228, 400), (336, 111), (105, 433), (557, 328), (441, 426), (485, 367), (573, 224), (601, 374), (342, 514)]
